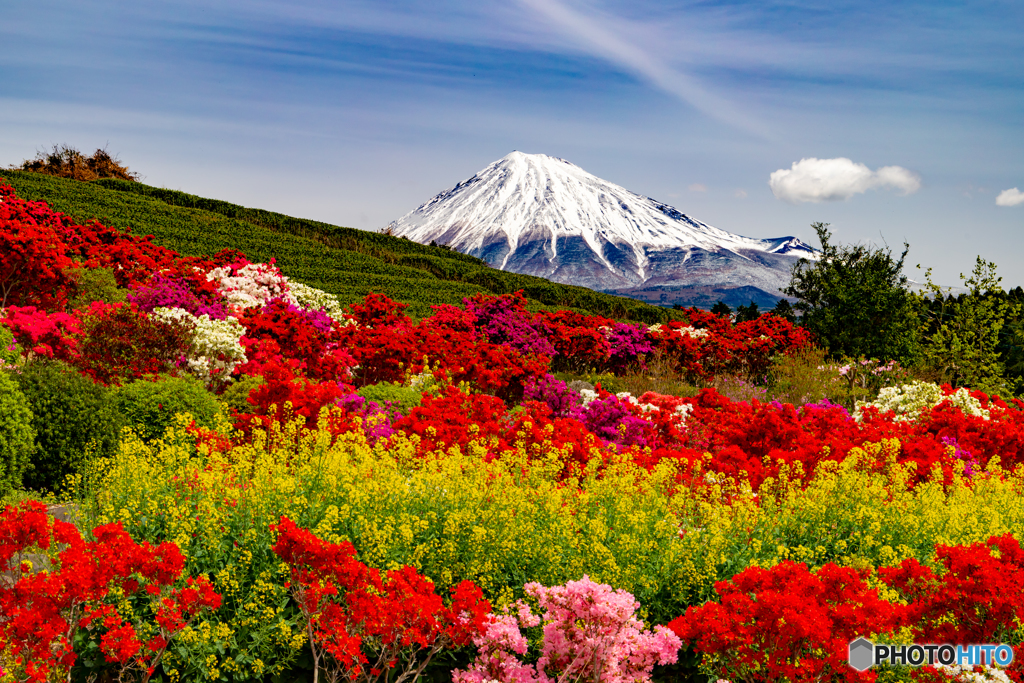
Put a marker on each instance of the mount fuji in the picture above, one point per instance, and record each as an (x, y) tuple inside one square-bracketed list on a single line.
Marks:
[(541, 215)]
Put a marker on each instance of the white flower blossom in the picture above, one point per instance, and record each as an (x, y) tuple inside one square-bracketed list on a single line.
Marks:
[(215, 349), (251, 285), (693, 332), (908, 400), (988, 674), (313, 299)]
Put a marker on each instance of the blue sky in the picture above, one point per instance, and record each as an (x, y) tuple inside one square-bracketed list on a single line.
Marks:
[(356, 111)]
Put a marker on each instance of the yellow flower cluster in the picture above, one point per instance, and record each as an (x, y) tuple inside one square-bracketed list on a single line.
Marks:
[(454, 516)]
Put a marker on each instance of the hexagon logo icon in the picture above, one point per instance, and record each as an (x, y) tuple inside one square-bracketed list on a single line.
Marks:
[(862, 654)]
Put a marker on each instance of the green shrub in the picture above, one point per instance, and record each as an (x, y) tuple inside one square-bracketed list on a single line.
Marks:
[(9, 351), (151, 406), (402, 398), (74, 419), (17, 438), (235, 395), (96, 284)]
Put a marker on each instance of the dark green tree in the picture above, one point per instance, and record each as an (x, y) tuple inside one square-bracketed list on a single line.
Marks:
[(962, 334), (783, 309), (855, 299), (745, 313), (721, 308)]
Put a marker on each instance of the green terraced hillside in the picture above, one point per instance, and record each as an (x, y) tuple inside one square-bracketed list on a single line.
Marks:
[(344, 261)]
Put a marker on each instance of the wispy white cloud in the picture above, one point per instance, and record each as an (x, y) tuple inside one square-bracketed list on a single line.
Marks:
[(1011, 197), (828, 180), (698, 187), (598, 36)]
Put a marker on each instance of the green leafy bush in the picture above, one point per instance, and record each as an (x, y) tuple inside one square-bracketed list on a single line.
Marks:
[(151, 406), (402, 398), (96, 284), (9, 351), (17, 438), (235, 396), (73, 418)]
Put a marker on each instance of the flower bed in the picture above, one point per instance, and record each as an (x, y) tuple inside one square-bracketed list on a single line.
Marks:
[(493, 520)]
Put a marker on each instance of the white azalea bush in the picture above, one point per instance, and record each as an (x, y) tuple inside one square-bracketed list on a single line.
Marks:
[(313, 299), (908, 400), (216, 348), (253, 284)]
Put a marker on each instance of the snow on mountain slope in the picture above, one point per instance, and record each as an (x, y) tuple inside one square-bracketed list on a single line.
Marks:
[(541, 215)]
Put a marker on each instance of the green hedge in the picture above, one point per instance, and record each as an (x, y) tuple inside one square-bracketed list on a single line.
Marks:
[(150, 406), (17, 437), (73, 418)]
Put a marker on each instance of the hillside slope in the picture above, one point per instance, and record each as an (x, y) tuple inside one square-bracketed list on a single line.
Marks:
[(347, 262)]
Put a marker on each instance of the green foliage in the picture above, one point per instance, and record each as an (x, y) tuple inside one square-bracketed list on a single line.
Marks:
[(747, 313), (9, 351), (1011, 343), (73, 419), (962, 334), (784, 310), (151, 406), (721, 308), (402, 398), (235, 395), (17, 438), (855, 299), (96, 284)]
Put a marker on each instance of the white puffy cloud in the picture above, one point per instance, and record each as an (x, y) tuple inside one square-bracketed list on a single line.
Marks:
[(828, 180), (1011, 197)]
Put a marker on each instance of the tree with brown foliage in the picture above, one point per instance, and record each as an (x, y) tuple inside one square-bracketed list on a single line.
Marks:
[(65, 161)]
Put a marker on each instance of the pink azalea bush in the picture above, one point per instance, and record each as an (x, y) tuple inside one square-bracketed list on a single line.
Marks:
[(590, 632)]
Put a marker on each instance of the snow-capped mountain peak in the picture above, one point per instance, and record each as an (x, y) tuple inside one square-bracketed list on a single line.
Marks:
[(542, 215)]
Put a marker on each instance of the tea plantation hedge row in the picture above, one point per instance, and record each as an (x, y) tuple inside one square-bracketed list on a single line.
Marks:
[(347, 262)]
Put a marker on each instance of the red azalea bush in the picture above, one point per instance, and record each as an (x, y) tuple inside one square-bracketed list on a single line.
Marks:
[(977, 597), (133, 258), (458, 419), (281, 330), (579, 344), (366, 626), (786, 623), (388, 347), (711, 345), (35, 268), (41, 611), (285, 395), (455, 419), (381, 340), (53, 335), (120, 343)]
